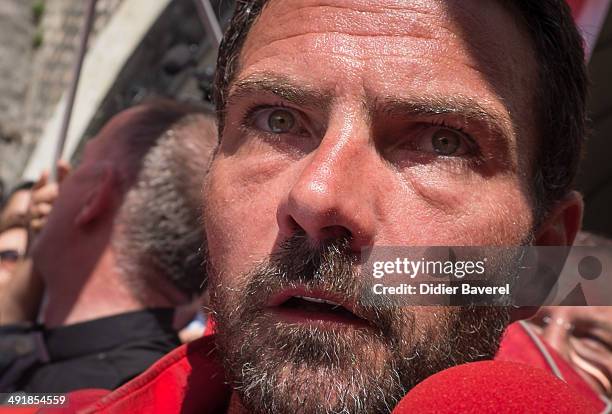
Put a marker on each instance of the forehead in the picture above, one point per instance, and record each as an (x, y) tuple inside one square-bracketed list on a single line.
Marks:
[(484, 34), (472, 48)]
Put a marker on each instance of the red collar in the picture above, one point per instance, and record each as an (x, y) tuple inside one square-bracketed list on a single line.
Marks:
[(189, 379)]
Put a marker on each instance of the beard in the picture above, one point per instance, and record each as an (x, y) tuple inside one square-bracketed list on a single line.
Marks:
[(279, 367)]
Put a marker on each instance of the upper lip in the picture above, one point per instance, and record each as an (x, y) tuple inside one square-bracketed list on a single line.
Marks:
[(318, 295)]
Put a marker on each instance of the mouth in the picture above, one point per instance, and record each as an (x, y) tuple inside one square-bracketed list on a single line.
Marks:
[(299, 306)]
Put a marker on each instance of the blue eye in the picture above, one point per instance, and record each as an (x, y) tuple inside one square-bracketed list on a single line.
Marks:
[(281, 121), (430, 140), (285, 128), (443, 141), (276, 120), (446, 142)]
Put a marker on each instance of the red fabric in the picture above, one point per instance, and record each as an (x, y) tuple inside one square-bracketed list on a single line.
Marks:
[(80, 398), (168, 386), (517, 346), (493, 387), (576, 6), (210, 327), (171, 386), (75, 399), (18, 410)]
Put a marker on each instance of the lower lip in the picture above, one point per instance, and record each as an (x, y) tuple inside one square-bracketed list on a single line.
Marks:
[(298, 316)]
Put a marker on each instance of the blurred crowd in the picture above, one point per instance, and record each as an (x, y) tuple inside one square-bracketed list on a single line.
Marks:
[(101, 268)]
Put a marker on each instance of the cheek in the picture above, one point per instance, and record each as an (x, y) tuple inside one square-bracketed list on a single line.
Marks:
[(240, 216), (427, 319), (503, 216), (432, 209)]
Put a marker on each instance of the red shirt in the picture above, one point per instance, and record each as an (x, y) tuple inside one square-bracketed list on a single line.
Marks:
[(520, 345), (190, 379)]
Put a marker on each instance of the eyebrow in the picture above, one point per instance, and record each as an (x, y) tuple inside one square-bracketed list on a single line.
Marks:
[(283, 87), (462, 107)]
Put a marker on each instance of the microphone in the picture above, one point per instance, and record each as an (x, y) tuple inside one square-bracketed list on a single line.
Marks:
[(493, 387)]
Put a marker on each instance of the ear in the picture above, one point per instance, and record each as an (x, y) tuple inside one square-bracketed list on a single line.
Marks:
[(101, 196), (558, 229), (563, 222)]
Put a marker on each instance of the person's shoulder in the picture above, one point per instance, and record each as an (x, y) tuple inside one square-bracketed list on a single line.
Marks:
[(188, 379), (76, 401), (520, 343)]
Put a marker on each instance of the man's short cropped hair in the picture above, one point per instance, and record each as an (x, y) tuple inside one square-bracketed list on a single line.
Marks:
[(560, 95), (159, 238)]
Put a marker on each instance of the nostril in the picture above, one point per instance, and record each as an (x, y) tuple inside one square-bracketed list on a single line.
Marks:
[(335, 232), (288, 226), (293, 225)]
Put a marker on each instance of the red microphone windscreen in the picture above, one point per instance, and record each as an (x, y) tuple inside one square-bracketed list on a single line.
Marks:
[(493, 387)]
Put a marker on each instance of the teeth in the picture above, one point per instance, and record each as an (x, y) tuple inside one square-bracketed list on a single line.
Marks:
[(317, 300)]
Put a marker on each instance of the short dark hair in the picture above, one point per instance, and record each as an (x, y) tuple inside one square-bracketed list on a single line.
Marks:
[(159, 238), (560, 96)]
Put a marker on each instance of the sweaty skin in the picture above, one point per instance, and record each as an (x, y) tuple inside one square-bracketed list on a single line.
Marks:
[(346, 173), (363, 88), (337, 48)]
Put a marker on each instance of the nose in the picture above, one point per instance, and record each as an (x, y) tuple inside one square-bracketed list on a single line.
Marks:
[(331, 197)]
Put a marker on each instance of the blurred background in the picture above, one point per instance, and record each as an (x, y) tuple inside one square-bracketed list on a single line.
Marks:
[(143, 48), (136, 49)]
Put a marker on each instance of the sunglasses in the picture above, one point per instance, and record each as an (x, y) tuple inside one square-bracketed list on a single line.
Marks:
[(9, 256)]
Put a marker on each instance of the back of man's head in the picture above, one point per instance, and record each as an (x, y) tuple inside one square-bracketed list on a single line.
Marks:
[(158, 238), (135, 198)]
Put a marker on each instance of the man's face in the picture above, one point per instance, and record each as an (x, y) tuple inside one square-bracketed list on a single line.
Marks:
[(353, 124)]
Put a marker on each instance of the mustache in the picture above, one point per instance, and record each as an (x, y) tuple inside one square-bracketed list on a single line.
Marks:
[(298, 262), (329, 266)]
